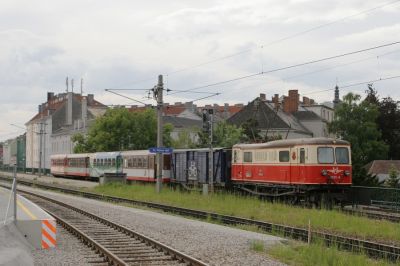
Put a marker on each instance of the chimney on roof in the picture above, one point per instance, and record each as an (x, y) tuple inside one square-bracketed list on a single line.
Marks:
[(84, 110), (286, 107), (90, 99), (239, 105), (178, 103), (50, 96), (291, 102), (68, 112), (306, 101), (275, 100), (262, 96), (39, 108)]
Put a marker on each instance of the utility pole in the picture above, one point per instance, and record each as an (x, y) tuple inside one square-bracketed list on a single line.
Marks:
[(41, 146), (40, 149), (211, 170), (158, 96), (15, 192)]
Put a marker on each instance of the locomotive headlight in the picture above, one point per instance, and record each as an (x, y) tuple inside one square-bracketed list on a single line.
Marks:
[(324, 172), (347, 173)]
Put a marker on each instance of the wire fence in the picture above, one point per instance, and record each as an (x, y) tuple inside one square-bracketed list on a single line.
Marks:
[(376, 196)]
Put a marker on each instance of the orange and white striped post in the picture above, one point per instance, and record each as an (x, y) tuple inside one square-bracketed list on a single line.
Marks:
[(48, 234)]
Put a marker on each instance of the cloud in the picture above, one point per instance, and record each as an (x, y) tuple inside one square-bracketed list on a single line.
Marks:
[(117, 44)]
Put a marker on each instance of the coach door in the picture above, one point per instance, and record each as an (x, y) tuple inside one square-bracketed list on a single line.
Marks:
[(302, 165)]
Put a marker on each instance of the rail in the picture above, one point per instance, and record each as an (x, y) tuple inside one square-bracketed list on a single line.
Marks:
[(371, 248), (111, 257)]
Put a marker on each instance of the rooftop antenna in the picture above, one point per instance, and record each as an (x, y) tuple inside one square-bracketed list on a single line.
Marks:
[(66, 82), (81, 86), (72, 85)]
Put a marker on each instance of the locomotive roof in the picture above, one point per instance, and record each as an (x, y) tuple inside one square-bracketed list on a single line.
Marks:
[(293, 142)]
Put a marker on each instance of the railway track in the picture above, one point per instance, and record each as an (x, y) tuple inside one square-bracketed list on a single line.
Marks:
[(114, 244), (371, 248)]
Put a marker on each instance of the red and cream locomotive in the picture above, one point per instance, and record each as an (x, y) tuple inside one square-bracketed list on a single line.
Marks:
[(297, 166)]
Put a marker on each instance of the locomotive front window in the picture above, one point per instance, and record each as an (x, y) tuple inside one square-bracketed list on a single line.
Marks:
[(284, 156), (325, 155), (342, 155), (247, 157)]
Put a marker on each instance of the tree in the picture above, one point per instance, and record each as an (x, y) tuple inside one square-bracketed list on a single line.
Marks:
[(186, 139), (355, 122), (224, 135), (120, 129), (393, 180), (388, 121), (251, 131)]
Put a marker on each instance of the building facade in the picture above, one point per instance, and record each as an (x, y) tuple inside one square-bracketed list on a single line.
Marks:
[(58, 119)]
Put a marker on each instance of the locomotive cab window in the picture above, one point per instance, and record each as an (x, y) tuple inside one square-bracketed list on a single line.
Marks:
[(283, 156), (325, 155), (342, 155), (247, 157)]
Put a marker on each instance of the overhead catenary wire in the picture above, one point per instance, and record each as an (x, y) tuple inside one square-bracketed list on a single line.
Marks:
[(266, 44), (127, 97), (324, 69), (289, 67), (354, 84)]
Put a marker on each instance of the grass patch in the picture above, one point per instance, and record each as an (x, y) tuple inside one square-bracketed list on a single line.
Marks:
[(250, 207), (300, 254), (257, 246)]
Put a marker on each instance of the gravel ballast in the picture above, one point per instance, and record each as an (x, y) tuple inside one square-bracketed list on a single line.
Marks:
[(210, 243), (69, 251)]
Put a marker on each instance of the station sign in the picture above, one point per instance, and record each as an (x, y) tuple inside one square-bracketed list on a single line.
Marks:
[(160, 150)]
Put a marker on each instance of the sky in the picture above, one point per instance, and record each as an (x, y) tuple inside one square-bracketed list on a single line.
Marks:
[(126, 44)]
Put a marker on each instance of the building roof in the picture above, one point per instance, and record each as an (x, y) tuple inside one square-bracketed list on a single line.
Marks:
[(306, 115), (267, 117), (181, 122), (174, 110), (382, 166), (58, 101)]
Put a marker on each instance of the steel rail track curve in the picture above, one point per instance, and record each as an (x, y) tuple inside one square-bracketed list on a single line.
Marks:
[(118, 245), (370, 248)]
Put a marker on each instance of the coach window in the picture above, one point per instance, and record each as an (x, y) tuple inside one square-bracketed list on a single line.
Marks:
[(302, 155), (325, 155), (342, 155), (283, 156), (113, 162), (247, 157)]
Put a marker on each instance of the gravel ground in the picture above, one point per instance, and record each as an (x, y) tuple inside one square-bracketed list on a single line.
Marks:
[(211, 243), (69, 251)]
